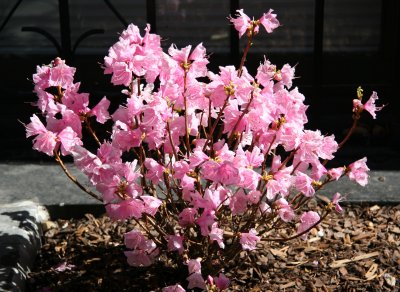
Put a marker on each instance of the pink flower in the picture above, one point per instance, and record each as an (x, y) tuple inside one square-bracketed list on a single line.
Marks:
[(69, 139), (264, 208), (337, 198), (249, 240), (175, 243), (265, 72), (101, 110), (336, 173), (117, 181), (45, 141), (109, 154), (195, 278), (125, 209), (35, 127), (212, 198), (254, 158), (307, 220), (217, 234), (134, 239), (124, 138), (195, 62), (144, 250), (226, 174), (328, 147), (197, 157), (304, 184), (241, 22), (69, 119), (311, 146), (151, 204), (227, 84), (187, 183), (61, 74), (205, 221), (181, 167), (285, 211), (222, 282), (155, 171), (269, 21), (132, 34), (187, 217), (196, 281), (317, 170), (122, 75), (357, 105), (77, 102), (248, 178), (287, 75), (138, 258), (359, 171), (194, 265), (281, 183), (238, 202), (86, 161), (370, 106), (133, 55), (254, 196)]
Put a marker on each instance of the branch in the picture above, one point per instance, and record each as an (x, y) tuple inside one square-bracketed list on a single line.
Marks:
[(73, 179)]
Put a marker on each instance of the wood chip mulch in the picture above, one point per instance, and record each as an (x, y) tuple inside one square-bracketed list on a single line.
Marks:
[(358, 250)]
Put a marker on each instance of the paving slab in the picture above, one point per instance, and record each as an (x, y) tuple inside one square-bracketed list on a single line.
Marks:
[(383, 187), (47, 185), (20, 242)]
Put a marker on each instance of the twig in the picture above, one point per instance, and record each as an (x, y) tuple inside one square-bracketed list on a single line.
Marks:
[(73, 179)]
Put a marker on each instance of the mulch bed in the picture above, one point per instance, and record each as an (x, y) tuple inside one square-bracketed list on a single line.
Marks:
[(358, 250)]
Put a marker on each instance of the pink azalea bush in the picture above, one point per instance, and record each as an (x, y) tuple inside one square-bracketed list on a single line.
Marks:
[(220, 158)]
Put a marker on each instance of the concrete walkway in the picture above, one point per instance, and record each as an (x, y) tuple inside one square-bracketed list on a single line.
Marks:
[(47, 185), (25, 188)]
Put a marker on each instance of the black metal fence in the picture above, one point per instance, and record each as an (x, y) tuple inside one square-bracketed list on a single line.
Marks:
[(339, 44)]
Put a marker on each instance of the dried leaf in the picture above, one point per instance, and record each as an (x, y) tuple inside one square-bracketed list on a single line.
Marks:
[(288, 285), (340, 263), (364, 236), (279, 253)]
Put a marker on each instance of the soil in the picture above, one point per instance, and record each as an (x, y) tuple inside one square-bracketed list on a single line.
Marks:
[(357, 250)]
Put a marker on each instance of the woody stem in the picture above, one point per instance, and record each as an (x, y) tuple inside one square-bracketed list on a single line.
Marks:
[(73, 179), (245, 52)]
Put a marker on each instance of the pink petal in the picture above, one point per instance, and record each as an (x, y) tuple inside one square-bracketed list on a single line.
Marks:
[(101, 110)]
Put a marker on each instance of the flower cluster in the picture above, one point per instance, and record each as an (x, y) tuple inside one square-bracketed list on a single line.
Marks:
[(216, 160)]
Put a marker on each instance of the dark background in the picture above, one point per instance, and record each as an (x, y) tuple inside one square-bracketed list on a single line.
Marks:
[(336, 44)]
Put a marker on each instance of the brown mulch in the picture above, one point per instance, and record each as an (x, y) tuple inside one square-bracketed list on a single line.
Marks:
[(358, 250)]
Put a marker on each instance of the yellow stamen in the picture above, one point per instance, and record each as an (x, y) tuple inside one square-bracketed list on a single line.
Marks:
[(229, 89)]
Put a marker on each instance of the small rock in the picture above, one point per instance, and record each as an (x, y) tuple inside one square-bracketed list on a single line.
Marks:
[(390, 280), (47, 225)]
